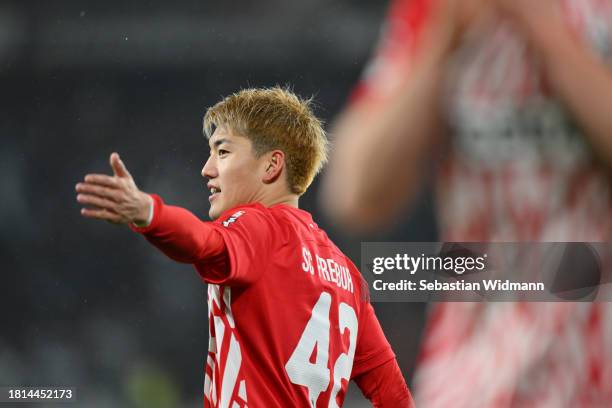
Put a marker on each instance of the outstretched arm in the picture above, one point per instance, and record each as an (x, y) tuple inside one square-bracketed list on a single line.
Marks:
[(175, 231)]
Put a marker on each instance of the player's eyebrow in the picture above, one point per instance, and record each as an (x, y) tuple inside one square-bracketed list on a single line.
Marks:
[(219, 142)]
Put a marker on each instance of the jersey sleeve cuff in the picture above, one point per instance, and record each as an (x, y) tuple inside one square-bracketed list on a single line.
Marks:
[(156, 210)]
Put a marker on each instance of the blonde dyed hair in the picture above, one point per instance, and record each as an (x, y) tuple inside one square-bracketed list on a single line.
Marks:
[(275, 119)]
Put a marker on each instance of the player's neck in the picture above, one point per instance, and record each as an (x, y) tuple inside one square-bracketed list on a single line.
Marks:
[(285, 199), (275, 195)]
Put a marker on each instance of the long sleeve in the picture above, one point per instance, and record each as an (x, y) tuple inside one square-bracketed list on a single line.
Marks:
[(385, 387), (185, 238), (375, 368), (221, 251)]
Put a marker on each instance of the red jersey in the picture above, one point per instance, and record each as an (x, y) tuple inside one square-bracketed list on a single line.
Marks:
[(516, 169), (289, 318)]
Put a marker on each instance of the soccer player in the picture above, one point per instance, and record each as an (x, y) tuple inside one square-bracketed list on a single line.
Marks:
[(289, 318), (510, 99)]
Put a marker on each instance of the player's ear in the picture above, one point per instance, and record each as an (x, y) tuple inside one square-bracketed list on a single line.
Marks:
[(275, 161)]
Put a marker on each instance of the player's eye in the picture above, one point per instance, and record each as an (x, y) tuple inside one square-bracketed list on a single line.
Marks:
[(222, 152)]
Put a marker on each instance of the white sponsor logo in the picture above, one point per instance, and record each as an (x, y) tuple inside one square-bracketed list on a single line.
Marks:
[(233, 218)]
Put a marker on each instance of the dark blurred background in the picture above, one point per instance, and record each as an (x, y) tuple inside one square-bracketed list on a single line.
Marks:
[(89, 304)]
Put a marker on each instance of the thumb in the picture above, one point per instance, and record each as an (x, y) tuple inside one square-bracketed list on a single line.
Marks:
[(118, 167)]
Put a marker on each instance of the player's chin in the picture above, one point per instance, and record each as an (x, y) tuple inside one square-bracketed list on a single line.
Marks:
[(214, 211)]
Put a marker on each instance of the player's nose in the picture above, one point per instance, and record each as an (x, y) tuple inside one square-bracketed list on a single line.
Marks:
[(209, 170)]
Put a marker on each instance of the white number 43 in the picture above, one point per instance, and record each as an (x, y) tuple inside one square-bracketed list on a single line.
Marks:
[(315, 376)]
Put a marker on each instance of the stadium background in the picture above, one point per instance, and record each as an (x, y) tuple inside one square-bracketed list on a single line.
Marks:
[(93, 306)]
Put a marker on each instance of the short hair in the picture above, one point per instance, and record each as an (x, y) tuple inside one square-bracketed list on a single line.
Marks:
[(275, 118)]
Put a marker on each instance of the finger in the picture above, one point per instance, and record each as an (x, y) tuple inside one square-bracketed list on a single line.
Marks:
[(102, 179), (118, 167), (102, 214), (96, 201), (99, 191)]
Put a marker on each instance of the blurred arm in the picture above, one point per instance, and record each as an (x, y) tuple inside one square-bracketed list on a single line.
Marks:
[(577, 76), (584, 83), (380, 148), (383, 141), (385, 387)]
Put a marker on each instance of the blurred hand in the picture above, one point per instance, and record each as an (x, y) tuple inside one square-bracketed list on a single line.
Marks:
[(114, 198)]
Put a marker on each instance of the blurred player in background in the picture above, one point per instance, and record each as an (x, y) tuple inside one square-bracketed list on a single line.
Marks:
[(512, 102), (289, 318)]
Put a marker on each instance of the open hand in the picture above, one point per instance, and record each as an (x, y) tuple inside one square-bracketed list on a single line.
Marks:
[(114, 198)]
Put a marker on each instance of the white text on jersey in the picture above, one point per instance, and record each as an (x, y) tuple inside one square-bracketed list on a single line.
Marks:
[(327, 269)]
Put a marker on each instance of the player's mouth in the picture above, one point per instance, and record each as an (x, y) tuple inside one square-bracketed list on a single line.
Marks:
[(214, 193)]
